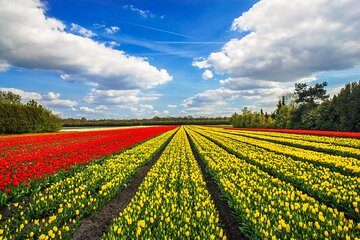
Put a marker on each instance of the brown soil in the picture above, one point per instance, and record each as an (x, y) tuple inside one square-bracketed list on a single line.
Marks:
[(94, 228), (226, 217), (5, 212)]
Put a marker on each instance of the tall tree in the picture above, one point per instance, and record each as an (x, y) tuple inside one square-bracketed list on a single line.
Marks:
[(310, 95), (347, 105), (307, 99)]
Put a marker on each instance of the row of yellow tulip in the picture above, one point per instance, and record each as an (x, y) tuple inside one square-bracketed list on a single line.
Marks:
[(172, 202), (56, 212), (317, 146), (345, 165), (341, 141), (267, 207), (331, 187)]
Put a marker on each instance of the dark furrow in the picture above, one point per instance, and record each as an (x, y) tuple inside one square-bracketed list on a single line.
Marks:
[(226, 217), (93, 228)]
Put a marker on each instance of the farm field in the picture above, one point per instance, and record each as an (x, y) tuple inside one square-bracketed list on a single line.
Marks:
[(25, 158), (192, 183)]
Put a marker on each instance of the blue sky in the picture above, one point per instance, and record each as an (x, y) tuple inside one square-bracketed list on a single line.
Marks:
[(136, 59)]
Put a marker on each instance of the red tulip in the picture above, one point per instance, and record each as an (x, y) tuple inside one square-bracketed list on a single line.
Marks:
[(34, 156)]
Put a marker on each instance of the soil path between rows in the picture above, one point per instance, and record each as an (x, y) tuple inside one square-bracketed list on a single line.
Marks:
[(93, 228), (226, 217)]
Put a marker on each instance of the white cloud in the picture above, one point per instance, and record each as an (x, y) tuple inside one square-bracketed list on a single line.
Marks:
[(219, 101), (247, 83), (112, 44), (208, 111), (172, 106), (139, 111), (122, 103), (146, 106), (60, 103), (166, 112), (141, 12), (201, 62), (290, 40), (87, 109), (50, 99), (29, 39), (52, 95), (210, 98), (118, 97), (26, 96), (82, 31), (112, 29), (207, 74)]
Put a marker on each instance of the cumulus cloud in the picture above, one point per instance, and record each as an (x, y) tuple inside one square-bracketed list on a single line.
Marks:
[(52, 95), (207, 74), (172, 106), (285, 42), (118, 97), (50, 99), (247, 83), (29, 39), (290, 40), (82, 31), (112, 29), (26, 96), (209, 111), (60, 103), (210, 97), (219, 101)]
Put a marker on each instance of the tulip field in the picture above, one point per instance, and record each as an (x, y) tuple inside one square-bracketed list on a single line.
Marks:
[(275, 185), (25, 158)]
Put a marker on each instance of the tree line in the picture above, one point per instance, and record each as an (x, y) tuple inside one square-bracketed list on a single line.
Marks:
[(309, 107), (16, 117), (189, 120)]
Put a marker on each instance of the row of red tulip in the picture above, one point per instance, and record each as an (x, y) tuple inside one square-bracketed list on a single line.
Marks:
[(27, 157)]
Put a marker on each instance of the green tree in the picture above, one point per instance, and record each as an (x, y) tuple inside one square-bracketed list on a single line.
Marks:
[(33, 103), (327, 116), (310, 95), (16, 117), (10, 97), (283, 118), (307, 98), (308, 120), (347, 106)]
